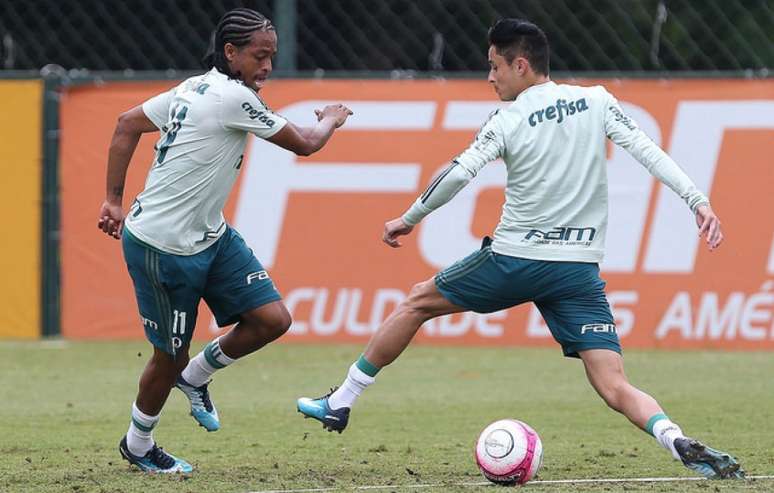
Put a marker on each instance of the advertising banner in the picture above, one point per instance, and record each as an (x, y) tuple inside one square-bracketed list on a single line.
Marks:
[(20, 201), (316, 222)]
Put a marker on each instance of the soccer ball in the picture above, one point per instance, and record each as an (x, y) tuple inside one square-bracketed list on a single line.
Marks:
[(509, 452)]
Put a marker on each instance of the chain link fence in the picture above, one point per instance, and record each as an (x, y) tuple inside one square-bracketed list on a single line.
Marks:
[(398, 36)]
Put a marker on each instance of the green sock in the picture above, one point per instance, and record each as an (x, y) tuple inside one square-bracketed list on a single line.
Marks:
[(652, 421), (366, 367)]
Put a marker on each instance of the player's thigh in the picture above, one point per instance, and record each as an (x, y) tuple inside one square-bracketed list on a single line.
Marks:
[(480, 282), (237, 282), (168, 290), (579, 317)]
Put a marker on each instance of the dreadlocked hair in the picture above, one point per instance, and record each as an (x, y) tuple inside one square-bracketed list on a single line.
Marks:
[(235, 27)]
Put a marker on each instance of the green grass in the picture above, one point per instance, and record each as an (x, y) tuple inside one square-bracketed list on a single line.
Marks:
[(64, 407)]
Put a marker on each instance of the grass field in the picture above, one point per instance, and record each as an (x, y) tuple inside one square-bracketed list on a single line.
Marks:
[(64, 407)]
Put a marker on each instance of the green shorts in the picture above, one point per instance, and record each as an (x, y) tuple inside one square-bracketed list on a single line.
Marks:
[(226, 275), (569, 295)]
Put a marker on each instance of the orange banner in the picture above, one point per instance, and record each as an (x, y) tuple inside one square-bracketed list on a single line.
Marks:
[(316, 222)]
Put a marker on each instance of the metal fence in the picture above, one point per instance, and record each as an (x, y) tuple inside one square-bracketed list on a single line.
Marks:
[(405, 36)]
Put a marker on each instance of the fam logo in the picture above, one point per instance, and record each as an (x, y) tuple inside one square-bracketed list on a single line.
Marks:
[(557, 112), (146, 322), (254, 114), (605, 328), (261, 275), (585, 235)]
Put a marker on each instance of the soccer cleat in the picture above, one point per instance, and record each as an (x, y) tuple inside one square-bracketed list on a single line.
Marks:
[(202, 409), (707, 461), (155, 461), (331, 419)]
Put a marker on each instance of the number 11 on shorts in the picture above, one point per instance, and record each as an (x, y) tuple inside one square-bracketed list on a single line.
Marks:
[(178, 325)]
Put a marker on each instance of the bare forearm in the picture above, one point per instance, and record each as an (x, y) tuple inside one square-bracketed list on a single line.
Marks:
[(318, 135), (121, 150)]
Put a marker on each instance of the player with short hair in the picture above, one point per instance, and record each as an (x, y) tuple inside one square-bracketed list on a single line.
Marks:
[(177, 245), (549, 240)]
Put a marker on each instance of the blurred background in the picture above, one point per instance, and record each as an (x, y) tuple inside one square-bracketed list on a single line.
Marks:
[(695, 74), (405, 37)]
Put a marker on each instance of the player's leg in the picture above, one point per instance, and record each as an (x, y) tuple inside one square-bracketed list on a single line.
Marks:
[(156, 382), (466, 285), (158, 378), (605, 371), (393, 336), (166, 309), (577, 312), (238, 290), (423, 303), (256, 328)]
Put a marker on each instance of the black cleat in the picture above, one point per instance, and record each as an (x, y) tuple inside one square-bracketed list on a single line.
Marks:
[(155, 461), (708, 462)]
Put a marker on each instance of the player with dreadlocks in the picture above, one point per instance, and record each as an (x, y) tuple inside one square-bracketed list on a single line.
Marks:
[(176, 243)]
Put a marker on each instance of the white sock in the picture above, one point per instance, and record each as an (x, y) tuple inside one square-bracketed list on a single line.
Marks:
[(139, 438), (665, 433), (353, 385), (203, 365)]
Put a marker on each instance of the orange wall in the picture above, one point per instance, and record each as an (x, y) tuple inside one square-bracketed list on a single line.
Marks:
[(320, 235)]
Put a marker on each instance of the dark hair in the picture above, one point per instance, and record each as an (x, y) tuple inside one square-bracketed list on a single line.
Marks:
[(235, 27), (512, 37)]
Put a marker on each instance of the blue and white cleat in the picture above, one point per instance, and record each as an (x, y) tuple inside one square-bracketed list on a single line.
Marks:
[(708, 462), (155, 461), (331, 419), (202, 409)]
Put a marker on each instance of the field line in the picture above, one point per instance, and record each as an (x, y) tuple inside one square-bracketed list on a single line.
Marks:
[(485, 483)]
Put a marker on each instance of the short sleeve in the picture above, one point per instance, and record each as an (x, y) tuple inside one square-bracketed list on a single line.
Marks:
[(157, 108), (244, 110)]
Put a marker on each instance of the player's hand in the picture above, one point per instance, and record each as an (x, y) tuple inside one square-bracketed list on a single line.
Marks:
[(338, 112), (709, 226), (393, 229), (111, 219)]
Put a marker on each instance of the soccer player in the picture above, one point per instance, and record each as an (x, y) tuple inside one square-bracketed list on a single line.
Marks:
[(549, 240), (177, 245)]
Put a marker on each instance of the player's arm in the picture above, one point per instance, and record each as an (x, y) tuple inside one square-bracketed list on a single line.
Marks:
[(306, 141), (623, 131), (487, 146), (241, 110), (130, 126)]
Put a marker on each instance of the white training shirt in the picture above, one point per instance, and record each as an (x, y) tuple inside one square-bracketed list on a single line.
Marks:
[(204, 123), (552, 139)]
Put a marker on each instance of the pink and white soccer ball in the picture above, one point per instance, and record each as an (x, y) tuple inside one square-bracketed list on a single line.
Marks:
[(509, 452)]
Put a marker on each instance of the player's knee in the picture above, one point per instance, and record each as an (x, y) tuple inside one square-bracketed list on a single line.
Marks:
[(417, 302), (281, 324), (271, 325)]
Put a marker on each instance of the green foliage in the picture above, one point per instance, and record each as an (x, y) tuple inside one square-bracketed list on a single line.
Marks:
[(66, 405)]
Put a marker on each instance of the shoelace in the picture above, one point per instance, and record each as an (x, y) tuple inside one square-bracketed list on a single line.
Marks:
[(205, 397), (333, 389), (200, 397), (160, 458)]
